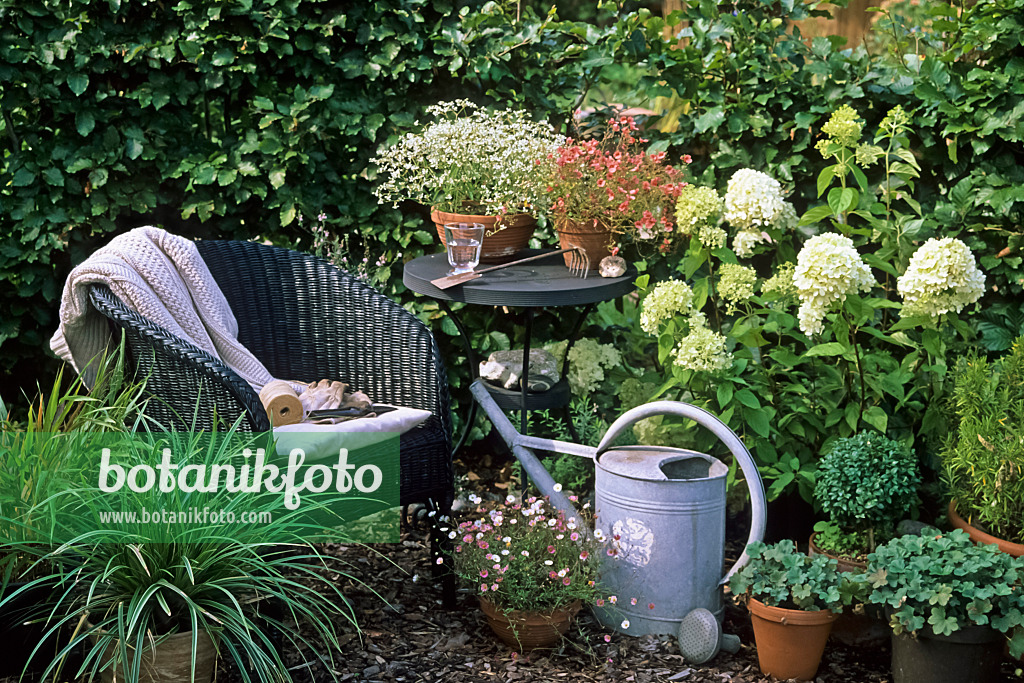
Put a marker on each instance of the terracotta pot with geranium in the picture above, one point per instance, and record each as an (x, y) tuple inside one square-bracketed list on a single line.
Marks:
[(531, 568), (472, 165), (608, 192)]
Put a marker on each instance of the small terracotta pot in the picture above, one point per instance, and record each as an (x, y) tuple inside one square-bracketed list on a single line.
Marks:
[(980, 537), (526, 631), (789, 642), (594, 236), (499, 245)]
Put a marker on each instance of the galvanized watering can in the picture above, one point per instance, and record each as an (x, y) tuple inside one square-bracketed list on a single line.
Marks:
[(661, 511)]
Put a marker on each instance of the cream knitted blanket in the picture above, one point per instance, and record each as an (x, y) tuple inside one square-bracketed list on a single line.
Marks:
[(162, 277)]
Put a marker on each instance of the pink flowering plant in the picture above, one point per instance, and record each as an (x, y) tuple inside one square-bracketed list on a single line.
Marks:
[(615, 182), (526, 556)]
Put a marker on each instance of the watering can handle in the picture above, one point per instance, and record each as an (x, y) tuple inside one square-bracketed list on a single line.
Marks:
[(727, 436)]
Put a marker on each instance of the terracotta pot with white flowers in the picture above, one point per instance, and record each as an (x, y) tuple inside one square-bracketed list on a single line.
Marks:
[(472, 165), (531, 569)]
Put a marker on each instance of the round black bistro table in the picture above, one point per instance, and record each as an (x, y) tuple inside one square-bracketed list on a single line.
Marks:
[(539, 284)]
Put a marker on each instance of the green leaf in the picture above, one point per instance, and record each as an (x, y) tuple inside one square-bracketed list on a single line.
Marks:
[(709, 120), (815, 215), (133, 148), (827, 349), (78, 82), (747, 398), (758, 421), (84, 122), (724, 394), (277, 177), (223, 57), (23, 178), (825, 178), (877, 418), (287, 214)]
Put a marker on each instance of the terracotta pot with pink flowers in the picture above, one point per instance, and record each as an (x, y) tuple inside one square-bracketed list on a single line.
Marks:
[(530, 568), (609, 192)]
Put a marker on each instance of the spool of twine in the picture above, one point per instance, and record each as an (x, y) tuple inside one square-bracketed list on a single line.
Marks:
[(281, 402)]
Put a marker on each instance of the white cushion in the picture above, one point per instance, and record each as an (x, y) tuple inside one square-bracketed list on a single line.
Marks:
[(324, 440)]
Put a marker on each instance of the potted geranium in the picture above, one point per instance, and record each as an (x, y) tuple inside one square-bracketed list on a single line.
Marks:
[(472, 165), (983, 457), (531, 568), (606, 191), (793, 599), (950, 601)]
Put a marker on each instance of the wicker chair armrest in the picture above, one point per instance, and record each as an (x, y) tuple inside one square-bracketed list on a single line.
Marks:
[(187, 386)]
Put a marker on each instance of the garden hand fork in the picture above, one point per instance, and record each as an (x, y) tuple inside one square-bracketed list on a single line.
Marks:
[(579, 265)]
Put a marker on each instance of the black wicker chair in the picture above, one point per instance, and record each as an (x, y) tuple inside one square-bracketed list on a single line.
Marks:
[(304, 320)]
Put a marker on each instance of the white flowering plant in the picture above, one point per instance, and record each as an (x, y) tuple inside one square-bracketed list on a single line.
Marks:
[(526, 555), (469, 157), (801, 331)]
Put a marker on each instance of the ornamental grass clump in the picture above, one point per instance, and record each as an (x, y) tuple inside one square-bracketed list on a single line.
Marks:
[(616, 183), (526, 556), (469, 158), (983, 456), (865, 485), (945, 583)]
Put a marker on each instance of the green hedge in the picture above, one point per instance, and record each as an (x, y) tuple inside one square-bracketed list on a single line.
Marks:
[(235, 119), (232, 120), (212, 119)]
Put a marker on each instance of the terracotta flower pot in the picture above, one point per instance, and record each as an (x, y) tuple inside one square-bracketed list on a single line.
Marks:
[(169, 662), (594, 236), (980, 537), (526, 631), (870, 629), (789, 642), (499, 245)]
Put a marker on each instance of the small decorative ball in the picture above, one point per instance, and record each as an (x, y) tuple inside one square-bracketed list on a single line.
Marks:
[(612, 266)]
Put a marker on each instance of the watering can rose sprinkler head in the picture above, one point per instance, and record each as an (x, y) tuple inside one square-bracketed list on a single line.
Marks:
[(701, 637)]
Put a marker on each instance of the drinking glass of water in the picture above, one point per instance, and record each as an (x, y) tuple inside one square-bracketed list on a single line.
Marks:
[(463, 241)]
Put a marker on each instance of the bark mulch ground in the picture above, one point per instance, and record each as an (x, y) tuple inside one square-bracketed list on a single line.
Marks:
[(409, 636)]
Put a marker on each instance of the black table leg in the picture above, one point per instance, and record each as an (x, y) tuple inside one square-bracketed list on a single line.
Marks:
[(524, 377), (565, 367), (474, 371)]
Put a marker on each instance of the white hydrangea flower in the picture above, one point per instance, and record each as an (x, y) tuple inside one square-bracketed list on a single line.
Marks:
[(828, 269), (745, 241), (942, 277), (736, 284), (698, 212), (702, 350), (665, 300), (588, 359), (753, 200)]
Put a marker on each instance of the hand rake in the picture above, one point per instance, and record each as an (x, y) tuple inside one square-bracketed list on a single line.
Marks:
[(579, 264)]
